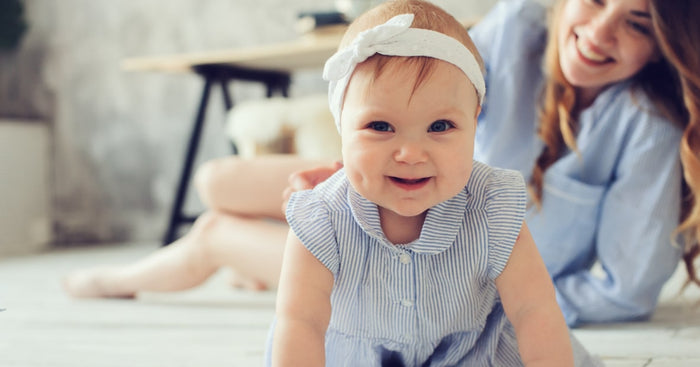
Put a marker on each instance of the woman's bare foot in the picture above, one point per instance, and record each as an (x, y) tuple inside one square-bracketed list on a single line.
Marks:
[(93, 283)]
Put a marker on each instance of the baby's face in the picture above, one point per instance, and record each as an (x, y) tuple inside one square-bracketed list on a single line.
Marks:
[(408, 150)]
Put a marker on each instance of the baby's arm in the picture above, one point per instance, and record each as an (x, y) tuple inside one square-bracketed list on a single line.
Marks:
[(303, 308), (528, 298)]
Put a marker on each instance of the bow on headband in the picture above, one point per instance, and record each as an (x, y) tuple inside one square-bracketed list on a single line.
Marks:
[(396, 38), (366, 44)]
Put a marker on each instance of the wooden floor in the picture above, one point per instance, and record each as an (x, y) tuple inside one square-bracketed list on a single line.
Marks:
[(215, 325)]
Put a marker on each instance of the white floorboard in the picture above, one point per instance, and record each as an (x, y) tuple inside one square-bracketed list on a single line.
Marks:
[(215, 325)]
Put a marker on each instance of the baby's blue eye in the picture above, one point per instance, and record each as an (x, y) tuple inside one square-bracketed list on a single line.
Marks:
[(380, 126), (440, 126)]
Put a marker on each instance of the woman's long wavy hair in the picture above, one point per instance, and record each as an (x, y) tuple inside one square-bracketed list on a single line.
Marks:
[(678, 31), (659, 80)]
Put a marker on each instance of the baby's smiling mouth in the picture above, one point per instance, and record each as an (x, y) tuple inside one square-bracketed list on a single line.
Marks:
[(409, 181)]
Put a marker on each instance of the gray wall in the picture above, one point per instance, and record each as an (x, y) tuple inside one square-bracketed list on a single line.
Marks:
[(117, 137)]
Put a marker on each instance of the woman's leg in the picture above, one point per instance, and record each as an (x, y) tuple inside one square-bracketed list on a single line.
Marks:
[(249, 187), (235, 232), (252, 247)]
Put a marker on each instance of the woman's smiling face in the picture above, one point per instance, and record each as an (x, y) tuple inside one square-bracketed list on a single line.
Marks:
[(604, 41)]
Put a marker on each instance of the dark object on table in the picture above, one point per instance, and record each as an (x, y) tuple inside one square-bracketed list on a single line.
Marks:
[(312, 20)]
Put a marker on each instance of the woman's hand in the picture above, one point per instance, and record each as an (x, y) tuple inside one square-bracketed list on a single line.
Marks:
[(308, 179)]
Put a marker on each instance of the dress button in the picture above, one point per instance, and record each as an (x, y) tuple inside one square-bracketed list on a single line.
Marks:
[(406, 303), (405, 258)]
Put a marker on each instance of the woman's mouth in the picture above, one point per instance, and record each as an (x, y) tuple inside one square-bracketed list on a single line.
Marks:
[(409, 183), (590, 54)]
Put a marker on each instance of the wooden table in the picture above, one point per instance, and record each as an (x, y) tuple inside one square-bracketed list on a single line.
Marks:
[(270, 64)]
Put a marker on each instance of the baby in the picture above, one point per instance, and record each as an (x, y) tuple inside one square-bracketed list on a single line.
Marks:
[(413, 254)]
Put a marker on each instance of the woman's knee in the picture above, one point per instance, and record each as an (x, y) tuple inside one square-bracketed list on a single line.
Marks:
[(204, 225), (212, 177), (204, 241)]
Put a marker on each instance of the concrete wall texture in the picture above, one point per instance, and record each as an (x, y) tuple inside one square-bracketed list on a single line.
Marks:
[(117, 138)]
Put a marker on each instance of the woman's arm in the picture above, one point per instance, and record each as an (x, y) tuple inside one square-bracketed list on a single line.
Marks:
[(528, 298), (303, 308), (633, 244)]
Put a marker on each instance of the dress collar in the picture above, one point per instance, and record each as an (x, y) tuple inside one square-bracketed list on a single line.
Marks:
[(440, 229)]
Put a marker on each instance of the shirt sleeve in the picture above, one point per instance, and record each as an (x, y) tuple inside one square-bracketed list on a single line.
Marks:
[(633, 244), (505, 211), (522, 17), (485, 31), (309, 218), (511, 39)]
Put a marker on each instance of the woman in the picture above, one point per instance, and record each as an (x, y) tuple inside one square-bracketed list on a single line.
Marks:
[(599, 122), (605, 154)]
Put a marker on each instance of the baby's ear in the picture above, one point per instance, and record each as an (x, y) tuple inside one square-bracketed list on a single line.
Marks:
[(477, 112)]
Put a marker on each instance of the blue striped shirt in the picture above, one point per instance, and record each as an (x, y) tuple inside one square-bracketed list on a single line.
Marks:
[(430, 302), (616, 201)]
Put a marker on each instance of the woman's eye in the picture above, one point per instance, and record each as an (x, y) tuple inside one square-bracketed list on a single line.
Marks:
[(640, 28), (440, 125), (379, 126)]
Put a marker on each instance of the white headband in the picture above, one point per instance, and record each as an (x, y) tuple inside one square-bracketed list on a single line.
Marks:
[(396, 38)]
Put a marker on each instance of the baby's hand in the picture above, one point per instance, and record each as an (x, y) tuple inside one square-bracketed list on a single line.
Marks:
[(308, 179)]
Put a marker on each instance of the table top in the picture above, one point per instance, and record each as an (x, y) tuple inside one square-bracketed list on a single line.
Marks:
[(307, 52)]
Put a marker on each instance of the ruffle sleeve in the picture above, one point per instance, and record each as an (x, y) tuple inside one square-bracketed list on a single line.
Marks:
[(505, 210), (310, 220)]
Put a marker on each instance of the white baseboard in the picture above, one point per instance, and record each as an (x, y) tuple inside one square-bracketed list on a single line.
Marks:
[(25, 215)]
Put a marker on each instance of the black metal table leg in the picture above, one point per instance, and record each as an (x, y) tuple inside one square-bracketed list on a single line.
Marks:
[(176, 215), (228, 104)]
